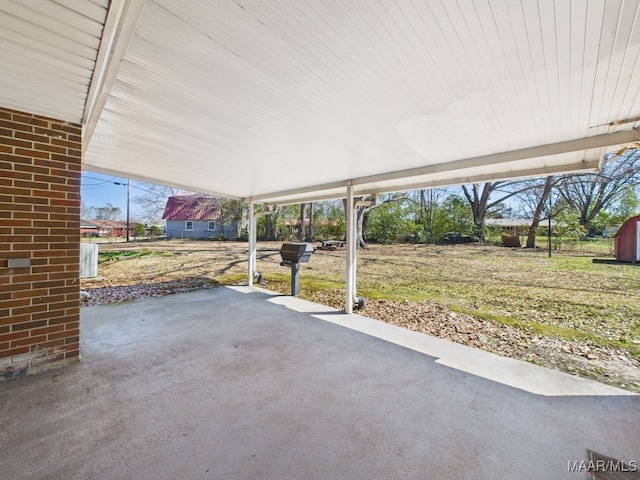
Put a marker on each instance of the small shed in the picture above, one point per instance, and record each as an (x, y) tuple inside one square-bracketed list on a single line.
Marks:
[(627, 241)]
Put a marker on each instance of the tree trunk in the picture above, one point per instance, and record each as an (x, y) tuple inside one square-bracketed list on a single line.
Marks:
[(478, 226), (360, 243), (268, 228), (270, 233), (479, 205), (310, 230), (479, 210), (531, 235), (301, 227), (360, 214)]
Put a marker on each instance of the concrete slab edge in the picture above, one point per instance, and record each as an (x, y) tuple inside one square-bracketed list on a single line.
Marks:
[(507, 371)]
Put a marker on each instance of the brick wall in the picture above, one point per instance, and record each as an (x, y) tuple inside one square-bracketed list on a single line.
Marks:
[(39, 243)]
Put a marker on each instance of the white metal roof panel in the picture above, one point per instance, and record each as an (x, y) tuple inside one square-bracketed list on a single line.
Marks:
[(48, 55), (266, 97), (281, 101)]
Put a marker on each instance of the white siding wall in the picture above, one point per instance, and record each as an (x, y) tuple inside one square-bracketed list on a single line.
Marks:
[(177, 229)]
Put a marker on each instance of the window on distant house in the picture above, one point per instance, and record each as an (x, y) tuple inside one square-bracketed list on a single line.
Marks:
[(188, 226), (211, 225)]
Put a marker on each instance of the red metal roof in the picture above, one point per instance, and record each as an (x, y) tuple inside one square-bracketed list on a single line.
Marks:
[(192, 207)]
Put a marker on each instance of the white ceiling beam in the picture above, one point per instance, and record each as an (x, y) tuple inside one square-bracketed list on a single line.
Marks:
[(449, 182), (581, 144), (119, 28), (298, 191), (516, 174), (279, 201)]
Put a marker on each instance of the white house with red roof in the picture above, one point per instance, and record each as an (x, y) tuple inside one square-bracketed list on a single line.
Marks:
[(195, 215)]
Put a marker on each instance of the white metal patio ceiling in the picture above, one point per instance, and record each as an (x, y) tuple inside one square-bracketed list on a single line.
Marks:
[(284, 100)]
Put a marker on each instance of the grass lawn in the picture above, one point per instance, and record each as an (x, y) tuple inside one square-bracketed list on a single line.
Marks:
[(585, 309), (566, 296)]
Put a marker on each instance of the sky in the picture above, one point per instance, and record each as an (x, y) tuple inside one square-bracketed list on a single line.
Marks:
[(98, 190)]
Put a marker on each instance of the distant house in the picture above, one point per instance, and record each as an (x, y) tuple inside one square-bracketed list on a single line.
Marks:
[(105, 228), (89, 228), (511, 226), (194, 215), (627, 241)]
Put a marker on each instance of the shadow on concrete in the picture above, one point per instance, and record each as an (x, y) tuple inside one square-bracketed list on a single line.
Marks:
[(239, 383)]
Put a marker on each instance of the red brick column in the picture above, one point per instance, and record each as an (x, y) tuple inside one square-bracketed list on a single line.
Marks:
[(39, 243)]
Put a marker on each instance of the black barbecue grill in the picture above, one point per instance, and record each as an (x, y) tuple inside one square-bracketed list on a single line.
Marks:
[(293, 254)]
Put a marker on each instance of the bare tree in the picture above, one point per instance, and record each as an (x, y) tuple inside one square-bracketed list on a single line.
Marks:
[(590, 193), (541, 192), (85, 211), (483, 198), (426, 205), (152, 201), (107, 212)]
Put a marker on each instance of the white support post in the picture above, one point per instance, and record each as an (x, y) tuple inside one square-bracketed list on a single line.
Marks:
[(252, 245), (351, 251)]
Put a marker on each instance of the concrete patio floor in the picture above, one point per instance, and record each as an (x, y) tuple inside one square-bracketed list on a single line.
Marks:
[(240, 383)]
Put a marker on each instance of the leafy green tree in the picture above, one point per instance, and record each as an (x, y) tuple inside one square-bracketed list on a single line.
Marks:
[(392, 223), (424, 204), (567, 225), (280, 224), (266, 224), (453, 215), (230, 215), (613, 217), (156, 231), (436, 212), (627, 206), (329, 220), (288, 222), (139, 230)]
